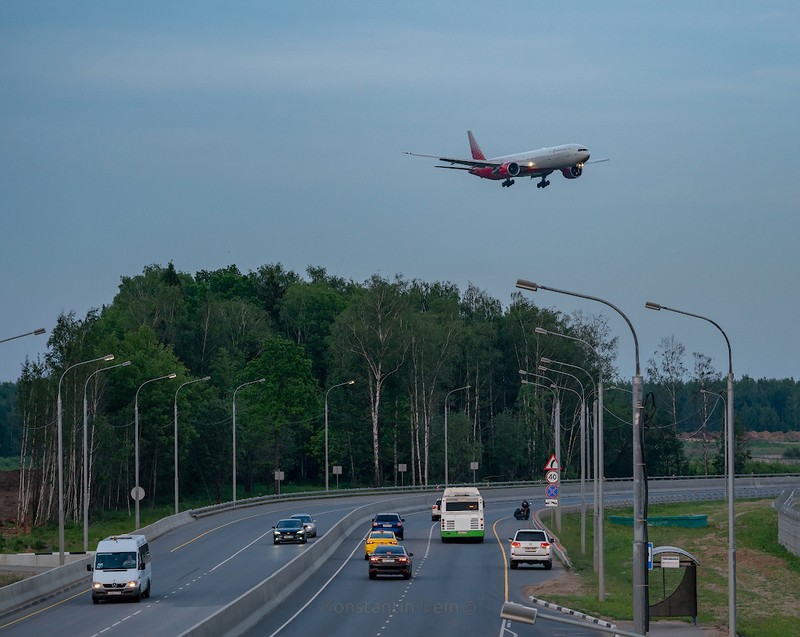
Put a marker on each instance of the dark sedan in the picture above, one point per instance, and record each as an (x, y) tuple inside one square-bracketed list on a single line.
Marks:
[(290, 530), (390, 560)]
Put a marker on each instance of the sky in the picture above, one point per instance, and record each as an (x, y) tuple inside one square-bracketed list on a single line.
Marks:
[(253, 133)]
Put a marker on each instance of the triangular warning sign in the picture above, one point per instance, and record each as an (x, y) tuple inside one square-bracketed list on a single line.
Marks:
[(552, 464)]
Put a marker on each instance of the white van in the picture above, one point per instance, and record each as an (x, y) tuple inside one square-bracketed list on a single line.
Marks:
[(121, 568)]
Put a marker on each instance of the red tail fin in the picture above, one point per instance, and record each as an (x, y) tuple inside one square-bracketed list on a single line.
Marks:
[(477, 153)]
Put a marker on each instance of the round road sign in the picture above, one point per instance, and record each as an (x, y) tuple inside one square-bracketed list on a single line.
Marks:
[(551, 477)]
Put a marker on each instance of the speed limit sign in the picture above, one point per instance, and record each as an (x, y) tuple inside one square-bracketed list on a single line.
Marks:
[(551, 477)]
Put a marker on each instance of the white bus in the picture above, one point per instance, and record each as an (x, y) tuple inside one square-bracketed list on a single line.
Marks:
[(462, 514)]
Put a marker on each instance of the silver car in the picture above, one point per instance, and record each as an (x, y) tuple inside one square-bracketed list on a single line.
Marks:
[(531, 546), (309, 523)]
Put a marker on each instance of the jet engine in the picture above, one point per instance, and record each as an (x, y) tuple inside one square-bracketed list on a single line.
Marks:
[(509, 169), (573, 172)]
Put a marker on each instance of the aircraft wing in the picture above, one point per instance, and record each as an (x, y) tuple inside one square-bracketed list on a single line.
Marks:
[(472, 163)]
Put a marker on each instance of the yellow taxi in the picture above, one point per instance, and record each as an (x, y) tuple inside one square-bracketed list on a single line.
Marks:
[(376, 538)]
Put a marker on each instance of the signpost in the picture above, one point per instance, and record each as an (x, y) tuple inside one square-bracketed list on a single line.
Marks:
[(402, 467), (337, 471), (552, 474)]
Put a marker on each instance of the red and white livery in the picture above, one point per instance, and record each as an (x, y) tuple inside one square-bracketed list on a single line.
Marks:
[(568, 158)]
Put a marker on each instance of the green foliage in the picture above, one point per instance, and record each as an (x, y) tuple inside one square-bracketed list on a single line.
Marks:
[(409, 345), (756, 535)]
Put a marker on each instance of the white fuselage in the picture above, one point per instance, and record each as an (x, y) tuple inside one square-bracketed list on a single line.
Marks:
[(547, 159)]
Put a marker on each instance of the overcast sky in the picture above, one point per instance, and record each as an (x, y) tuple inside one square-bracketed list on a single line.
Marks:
[(249, 133)]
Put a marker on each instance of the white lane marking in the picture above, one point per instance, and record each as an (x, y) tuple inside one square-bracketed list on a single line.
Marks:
[(317, 594), (241, 550)]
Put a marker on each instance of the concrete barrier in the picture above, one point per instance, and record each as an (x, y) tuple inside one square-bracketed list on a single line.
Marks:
[(33, 589), (249, 608), (58, 578)]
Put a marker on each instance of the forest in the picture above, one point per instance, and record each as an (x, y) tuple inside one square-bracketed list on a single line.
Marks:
[(275, 353)]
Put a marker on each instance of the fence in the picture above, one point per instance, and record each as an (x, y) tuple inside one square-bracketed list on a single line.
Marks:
[(788, 507)]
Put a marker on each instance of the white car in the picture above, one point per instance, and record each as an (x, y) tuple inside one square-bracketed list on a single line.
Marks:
[(531, 546), (309, 523)]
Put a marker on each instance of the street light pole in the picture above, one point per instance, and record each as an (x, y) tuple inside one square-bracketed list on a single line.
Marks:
[(349, 382), (582, 396), (599, 464), (175, 436), (556, 427), (38, 331), (107, 357), (641, 592), (446, 468), (86, 454), (252, 382), (731, 455), (137, 488)]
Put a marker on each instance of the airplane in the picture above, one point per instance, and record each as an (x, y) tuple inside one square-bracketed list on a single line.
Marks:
[(568, 158)]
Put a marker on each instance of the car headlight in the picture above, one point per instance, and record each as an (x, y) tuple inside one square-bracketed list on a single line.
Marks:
[(276, 532), (97, 586), (132, 585)]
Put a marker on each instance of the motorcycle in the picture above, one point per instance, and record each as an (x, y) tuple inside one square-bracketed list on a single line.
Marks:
[(521, 513)]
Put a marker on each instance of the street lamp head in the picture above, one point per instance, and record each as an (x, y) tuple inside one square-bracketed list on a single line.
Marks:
[(125, 364), (543, 368), (206, 378), (351, 382), (545, 360), (108, 357), (652, 306), (172, 375), (527, 285), (540, 330), (39, 331)]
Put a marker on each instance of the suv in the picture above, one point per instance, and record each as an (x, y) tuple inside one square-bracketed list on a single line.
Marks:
[(531, 546), (436, 510), (389, 522)]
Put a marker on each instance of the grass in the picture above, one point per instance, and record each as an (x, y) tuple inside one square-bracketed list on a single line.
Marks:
[(763, 566), (45, 539)]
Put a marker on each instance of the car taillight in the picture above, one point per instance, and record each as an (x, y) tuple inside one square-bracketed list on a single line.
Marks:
[(516, 545), (402, 559), (544, 545)]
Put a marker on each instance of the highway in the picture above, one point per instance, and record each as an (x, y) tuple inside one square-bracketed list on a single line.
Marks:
[(197, 569), (456, 588)]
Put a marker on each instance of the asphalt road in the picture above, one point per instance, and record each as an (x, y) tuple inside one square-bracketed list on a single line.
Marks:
[(197, 569), (456, 588)]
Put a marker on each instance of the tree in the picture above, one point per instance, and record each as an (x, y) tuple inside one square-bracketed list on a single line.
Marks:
[(667, 370), (370, 330), (281, 412)]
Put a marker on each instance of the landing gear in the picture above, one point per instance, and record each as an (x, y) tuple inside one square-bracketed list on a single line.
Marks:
[(544, 183), (507, 183)]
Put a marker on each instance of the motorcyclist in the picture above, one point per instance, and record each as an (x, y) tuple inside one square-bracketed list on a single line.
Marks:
[(526, 509)]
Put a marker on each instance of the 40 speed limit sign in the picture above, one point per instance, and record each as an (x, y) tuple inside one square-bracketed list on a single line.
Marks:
[(551, 476)]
